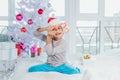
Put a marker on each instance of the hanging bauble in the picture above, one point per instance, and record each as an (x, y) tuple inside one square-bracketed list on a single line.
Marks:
[(23, 29), (38, 51), (40, 11), (30, 21), (33, 49), (23, 47), (19, 17)]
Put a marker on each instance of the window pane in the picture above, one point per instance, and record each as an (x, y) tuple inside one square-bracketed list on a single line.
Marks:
[(86, 37), (3, 27), (112, 34), (3, 23), (59, 7), (112, 8), (88, 6), (4, 7), (86, 23)]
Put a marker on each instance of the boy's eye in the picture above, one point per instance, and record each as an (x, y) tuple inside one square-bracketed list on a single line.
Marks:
[(53, 29), (59, 27)]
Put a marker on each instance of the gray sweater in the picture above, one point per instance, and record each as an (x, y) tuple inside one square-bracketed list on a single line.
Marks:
[(56, 52)]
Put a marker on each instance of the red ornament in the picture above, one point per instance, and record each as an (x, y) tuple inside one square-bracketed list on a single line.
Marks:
[(19, 17), (38, 51), (40, 11), (17, 46), (50, 19), (18, 49), (23, 29), (30, 21)]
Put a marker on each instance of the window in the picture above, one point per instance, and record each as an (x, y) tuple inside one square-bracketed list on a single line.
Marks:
[(86, 40), (59, 7), (3, 20), (86, 23), (112, 8), (3, 23), (4, 12), (4, 8), (112, 34), (88, 6)]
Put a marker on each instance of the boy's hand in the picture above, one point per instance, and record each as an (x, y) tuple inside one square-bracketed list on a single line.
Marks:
[(51, 33), (49, 28)]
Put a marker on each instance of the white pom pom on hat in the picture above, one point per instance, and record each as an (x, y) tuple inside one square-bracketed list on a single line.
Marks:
[(53, 21)]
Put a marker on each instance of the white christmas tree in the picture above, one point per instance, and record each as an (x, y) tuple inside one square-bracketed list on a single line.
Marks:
[(30, 14)]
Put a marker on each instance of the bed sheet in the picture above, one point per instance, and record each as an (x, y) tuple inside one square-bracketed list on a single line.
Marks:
[(23, 64), (105, 66)]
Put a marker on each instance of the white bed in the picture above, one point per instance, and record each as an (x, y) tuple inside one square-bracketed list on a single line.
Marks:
[(24, 63), (105, 66)]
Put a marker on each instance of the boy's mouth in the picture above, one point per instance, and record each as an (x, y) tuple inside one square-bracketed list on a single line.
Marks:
[(58, 34)]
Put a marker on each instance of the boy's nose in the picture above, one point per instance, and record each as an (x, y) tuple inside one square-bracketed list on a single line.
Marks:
[(57, 30)]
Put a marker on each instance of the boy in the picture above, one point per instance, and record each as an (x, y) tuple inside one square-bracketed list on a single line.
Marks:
[(56, 50)]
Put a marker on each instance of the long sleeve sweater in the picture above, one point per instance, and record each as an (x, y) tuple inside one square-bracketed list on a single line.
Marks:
[(56, 52)]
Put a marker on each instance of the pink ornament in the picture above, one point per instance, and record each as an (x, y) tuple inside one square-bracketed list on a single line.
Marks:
[(40, 11), (23, 47), (30, 21), (33, 49), (19, 17)]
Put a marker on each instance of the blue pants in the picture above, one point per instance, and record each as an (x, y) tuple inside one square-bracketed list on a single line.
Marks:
[(64, 68)]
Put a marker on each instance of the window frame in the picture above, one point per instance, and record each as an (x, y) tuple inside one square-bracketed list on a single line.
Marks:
[(72, 15), (11, 13)]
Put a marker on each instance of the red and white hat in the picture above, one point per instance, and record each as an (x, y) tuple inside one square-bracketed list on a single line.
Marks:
[(53, 21)]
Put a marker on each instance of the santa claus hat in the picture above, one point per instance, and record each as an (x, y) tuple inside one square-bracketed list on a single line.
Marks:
[(53, 21)]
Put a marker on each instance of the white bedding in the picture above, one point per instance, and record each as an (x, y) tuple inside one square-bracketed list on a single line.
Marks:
[(22, 74), (105, 66)]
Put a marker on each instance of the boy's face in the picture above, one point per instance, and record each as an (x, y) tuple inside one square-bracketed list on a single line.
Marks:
[(58, 31)]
